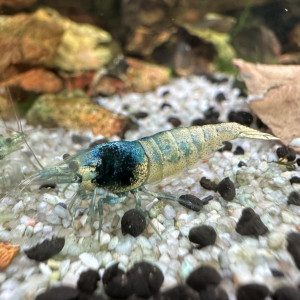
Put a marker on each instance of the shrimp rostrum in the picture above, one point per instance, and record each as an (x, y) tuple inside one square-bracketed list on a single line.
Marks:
[(114, 169)]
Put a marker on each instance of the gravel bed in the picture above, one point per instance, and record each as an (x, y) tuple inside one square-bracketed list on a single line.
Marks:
[(265, 256)]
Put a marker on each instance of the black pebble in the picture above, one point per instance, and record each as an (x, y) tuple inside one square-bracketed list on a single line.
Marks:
[(295, 179), (79, 139), (220, 97), (46, 249), (294, 198), (146, 279), (203, 235), (298, 161), (165, 104), (286, 293), (133, 223), (98, 142), (116, 283), (174, 121), (286, 152), (252, 291), (208, 184), (190, 201), (226, 189), (59, 293), (202, 277), (293, 246), (211, 113), (241, 117), (213, 79), (227, 147), (260, 124), (276, 273), (242, 164), (140, 115), (198, 122), (250, 223), (179, 292), (87, 281), (238, 151), (48, 185), (213, 293)]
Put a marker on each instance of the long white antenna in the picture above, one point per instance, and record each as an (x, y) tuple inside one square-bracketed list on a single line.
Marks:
[(20, 128)]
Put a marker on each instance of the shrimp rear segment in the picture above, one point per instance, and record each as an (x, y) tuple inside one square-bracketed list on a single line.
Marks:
[(172, 151)]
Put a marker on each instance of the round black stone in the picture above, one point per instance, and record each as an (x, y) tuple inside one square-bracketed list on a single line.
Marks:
[(98, 142), (227, 146), (213, 293), (298, 161), (295, 179), (226, 189), (174, 121), (133, 223), (241, 117), (294, 198), (242, 164), (179, 292), (286, 152), (208, 184), (59, 293), (46, 249), (238, 151), (250, 223), (141, 115), (198, 122), (220, 97), (202, 277), (87, 281), (190, 201), (146, 279), (252, 291), (211, 113), (116, 283), (203, 235), (165, 104), (286, 293), (293, 246)]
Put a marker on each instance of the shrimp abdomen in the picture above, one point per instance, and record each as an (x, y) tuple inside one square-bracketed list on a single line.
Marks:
[(170, 152)]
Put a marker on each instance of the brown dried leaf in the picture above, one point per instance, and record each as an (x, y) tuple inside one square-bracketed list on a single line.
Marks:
[(279, 107), (259, 78), (7, 253)]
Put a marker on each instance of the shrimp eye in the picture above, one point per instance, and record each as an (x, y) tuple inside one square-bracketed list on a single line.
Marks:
[(74, 166), (8, 140)]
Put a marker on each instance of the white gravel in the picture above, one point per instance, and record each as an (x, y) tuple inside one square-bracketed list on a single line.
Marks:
[(261, 184)]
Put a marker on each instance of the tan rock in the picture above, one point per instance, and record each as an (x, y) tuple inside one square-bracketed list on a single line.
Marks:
[(77, 112)]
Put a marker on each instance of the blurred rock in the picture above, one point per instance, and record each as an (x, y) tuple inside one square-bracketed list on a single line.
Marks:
[(138, 76), (257, 44), (82, 47), (73, 110), (210, 46), (45, 38), (28, 39), (17, 4), (36, 80)]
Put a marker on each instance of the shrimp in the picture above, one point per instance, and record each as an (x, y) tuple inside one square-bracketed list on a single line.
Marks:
[(112, 170), (12, 141)]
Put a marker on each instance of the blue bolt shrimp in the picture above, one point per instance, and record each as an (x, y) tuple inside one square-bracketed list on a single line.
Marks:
[(112, 170)]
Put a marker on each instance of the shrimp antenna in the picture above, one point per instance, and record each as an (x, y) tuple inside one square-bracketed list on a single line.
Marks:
[(20, 127)]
